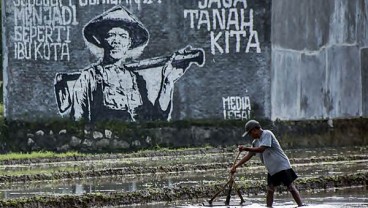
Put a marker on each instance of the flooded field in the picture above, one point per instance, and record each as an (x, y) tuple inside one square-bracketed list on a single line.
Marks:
[(179, 170), (343, 198)]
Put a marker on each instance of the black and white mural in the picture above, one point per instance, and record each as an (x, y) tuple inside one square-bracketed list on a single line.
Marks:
[(178, 59), (117, 87), (136, 60)]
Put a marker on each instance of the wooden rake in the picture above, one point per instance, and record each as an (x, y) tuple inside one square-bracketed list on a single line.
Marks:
[(231, 183)]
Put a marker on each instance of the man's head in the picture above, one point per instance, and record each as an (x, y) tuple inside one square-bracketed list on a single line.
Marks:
[(99, 30), (117, 42), (253, 129)]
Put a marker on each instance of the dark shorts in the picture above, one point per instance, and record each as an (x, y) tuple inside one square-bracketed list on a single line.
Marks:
[(285, 177)]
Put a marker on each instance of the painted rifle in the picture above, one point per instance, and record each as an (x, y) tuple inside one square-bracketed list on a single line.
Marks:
[(180, 59)]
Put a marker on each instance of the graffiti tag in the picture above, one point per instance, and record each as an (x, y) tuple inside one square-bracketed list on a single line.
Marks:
[(236, 107)]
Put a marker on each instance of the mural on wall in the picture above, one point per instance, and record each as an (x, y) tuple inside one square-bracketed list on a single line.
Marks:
[(117, 87), (235, 107), (129, 59)]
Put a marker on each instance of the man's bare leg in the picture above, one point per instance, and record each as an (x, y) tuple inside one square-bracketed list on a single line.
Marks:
[(269, 197), (295, 193)]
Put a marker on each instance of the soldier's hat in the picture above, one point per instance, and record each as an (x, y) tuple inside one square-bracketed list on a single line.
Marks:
[(96, 30)]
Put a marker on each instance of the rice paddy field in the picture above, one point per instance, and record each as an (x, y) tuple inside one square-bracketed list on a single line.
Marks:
[(328, 177)]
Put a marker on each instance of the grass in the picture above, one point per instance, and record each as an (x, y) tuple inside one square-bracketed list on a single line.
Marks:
[(1, 111), (34, 155), (36, 171)]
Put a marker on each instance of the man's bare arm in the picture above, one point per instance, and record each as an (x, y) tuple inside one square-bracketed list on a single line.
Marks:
[(242, 161)]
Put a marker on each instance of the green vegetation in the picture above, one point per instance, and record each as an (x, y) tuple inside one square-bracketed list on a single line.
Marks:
[(1, 110), (38, 155), (21, 172)]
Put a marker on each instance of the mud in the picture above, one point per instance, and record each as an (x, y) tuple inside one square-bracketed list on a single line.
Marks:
[(179, 193), (321, 169), (152, 170), (311, 154), (89, 157)]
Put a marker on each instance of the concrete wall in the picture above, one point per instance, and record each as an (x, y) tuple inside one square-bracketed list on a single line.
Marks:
[(53, 50), (61, 137), (318, 71), (319, 59)]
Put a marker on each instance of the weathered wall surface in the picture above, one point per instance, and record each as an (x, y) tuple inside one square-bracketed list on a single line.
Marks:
[(319, 59), (66, 58), (85, 138)]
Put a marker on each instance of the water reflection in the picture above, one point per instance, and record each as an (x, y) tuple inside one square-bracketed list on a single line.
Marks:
[(355, 197), (134, 182), (170, 180), (78, 187)]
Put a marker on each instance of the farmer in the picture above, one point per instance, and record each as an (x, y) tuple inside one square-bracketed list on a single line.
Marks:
[(109, 89), (273, 157)]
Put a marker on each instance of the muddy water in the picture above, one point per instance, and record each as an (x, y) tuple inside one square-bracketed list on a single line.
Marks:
[(253, 172), (140, 182), (332, 198), (163, 160)]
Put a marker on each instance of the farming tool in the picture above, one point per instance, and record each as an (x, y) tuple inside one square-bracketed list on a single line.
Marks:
[(230, 184)]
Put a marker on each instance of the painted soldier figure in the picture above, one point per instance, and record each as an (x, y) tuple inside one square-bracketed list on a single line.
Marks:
[(115, 87)]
